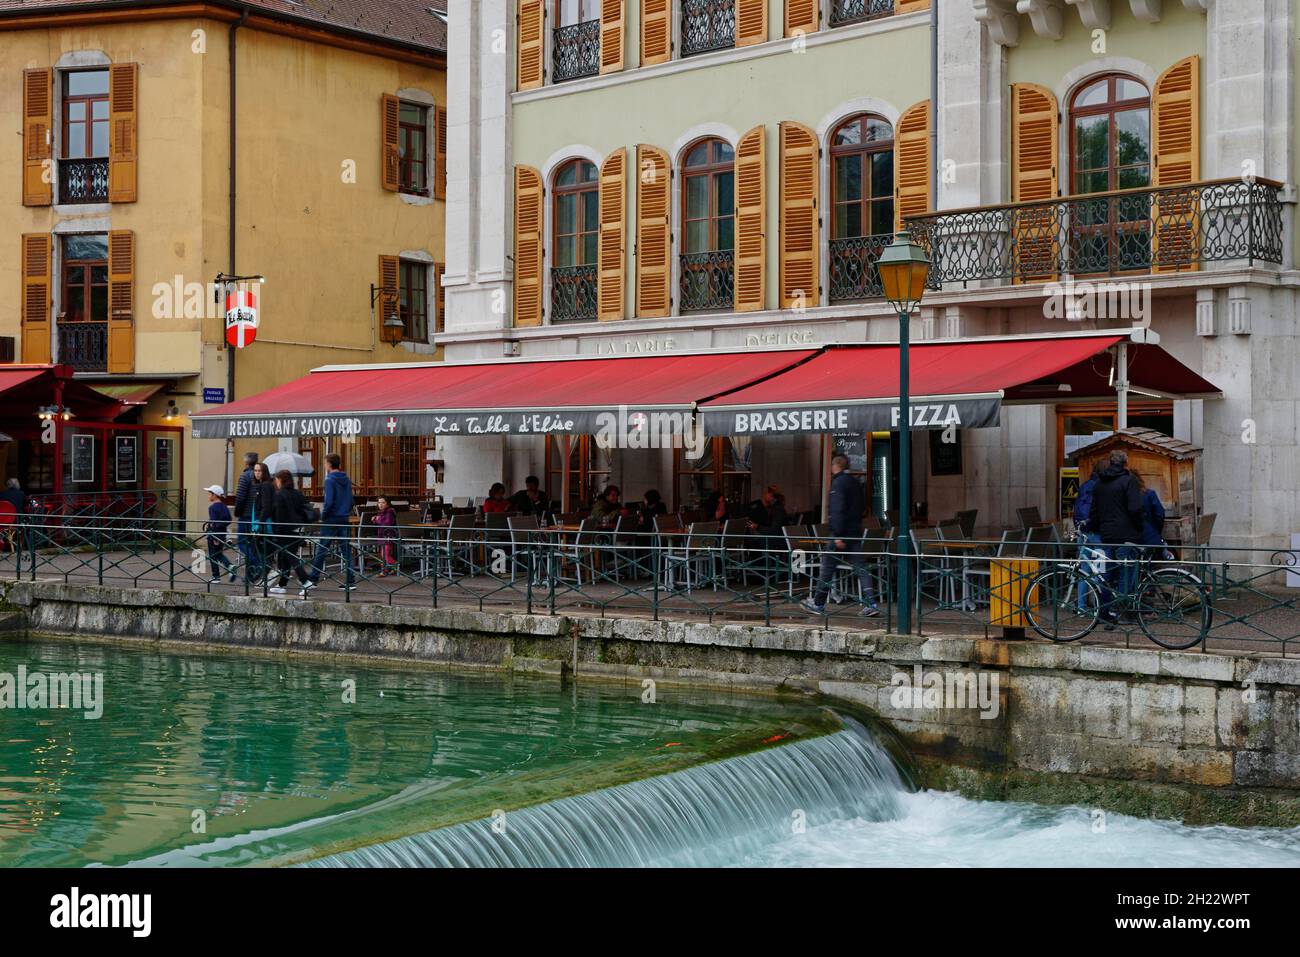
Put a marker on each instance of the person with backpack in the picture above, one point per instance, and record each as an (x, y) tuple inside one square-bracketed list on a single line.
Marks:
[(290, 512), (1118, 516)]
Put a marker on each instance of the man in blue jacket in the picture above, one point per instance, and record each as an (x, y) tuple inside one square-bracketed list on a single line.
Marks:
[(847, 502), (334, 528)]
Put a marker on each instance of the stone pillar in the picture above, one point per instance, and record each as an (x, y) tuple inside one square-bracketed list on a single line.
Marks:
[(969, 115)]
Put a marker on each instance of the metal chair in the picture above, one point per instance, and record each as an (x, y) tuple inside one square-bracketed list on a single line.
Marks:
[(796, 542), (1029, 517), (695, 559), (967, 520), (578, 553), (526, 542)]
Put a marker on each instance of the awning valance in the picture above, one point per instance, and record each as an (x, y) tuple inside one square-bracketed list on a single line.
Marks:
[(961, 384), (511, 396)]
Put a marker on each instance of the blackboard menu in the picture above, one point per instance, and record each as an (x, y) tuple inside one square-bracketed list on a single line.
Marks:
[(126, 460), (945, 457), (83, 458), (854, 445), (162, 460)]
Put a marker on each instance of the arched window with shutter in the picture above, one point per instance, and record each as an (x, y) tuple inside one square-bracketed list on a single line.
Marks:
[(862, 204), (708, 225), (575, 238)]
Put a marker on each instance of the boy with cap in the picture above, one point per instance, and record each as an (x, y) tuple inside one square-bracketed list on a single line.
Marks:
[(217, 526)]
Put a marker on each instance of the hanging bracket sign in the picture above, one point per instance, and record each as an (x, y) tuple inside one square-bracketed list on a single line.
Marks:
[(241, 317)]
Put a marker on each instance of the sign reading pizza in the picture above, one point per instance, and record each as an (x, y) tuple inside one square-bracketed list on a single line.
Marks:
[(241, 317)]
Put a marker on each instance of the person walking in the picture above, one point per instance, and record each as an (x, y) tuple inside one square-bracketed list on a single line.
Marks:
[(1119, 517), (289, 513), (261, 511), (846, 505), (334, 530), (217, 528), (1153, 519), (242, 503)]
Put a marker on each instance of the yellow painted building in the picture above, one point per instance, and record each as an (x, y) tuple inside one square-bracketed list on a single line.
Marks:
[(163, 145)]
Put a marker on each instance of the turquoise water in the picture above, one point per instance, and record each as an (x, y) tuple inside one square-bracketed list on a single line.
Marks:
[(337, 763)]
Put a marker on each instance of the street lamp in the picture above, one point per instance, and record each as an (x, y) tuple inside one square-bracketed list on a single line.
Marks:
[(904, 268)]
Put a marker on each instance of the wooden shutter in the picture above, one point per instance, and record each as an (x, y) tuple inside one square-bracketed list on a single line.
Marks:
[(36, 298), (656, 31), (1035, 146), (528, 246), (389, 302), (612, 18), (613, 235), (439, 298), (121, 301), (390, 112), (38, 137), (912, 163), (910, 6), (532, 44), (123, 125), (800, 224), (439, 153), (751, 22), (751, 220), (802, 16), (653, 236), (1176, 142)]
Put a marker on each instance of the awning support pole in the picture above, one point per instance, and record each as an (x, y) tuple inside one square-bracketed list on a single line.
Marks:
[(1121, 385)]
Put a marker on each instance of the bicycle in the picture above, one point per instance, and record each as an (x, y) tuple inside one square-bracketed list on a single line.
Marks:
[(1171, 605)]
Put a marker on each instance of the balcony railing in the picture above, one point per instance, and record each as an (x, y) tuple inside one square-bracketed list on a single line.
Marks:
[(84, 346), (853, 267), (856, 11), (575, 51), (1128, 231), (708, 25), (83, 181), (573, 293), (708, 281)]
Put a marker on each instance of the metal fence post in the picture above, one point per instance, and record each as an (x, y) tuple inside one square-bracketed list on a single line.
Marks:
[(171, 561)]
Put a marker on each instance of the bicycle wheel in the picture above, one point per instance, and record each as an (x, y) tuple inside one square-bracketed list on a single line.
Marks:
[(1062, 605), (1173, 609)]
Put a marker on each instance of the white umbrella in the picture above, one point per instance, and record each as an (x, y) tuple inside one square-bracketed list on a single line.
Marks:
[(298, 464)]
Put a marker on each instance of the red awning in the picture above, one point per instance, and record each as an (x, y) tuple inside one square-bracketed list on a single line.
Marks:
[(511, 396), (855, 388), (24, 389)]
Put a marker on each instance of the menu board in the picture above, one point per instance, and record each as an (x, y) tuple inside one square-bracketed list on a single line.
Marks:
[(162, 460), (945, 457), (126, 460), (853, 445), (83, 458)]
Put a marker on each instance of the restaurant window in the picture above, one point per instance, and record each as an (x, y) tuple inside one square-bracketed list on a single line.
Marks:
[(83, 163), (83, 313), (862, 204), (413, 149), (725, 465), (413, 301), (580, 461), (1110, 149), (708, 226), (576, 229), (387, 465)]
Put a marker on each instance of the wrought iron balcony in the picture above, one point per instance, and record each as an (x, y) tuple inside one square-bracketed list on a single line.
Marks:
[(708, 281), (84, 346), (83, 181), (853, 267), (708, 25), (575, 51), (856, 11), (1163, 229), (573, 293)]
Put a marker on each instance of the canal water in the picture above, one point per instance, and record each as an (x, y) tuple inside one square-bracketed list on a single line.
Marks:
[(227, 760)]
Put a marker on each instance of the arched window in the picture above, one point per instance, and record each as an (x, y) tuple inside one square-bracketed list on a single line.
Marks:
[(708, 225), (575, 226), (1110, 135), (1110, 149), (862, 204)]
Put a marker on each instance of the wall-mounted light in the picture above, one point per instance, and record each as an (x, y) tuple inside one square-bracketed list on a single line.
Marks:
[(47, 412), (172, 411)]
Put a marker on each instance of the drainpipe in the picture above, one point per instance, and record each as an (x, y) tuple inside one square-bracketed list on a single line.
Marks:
[(934, 103), (232, 48)]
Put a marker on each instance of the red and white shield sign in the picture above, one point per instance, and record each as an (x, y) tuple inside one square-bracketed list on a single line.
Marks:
[(241, 318)]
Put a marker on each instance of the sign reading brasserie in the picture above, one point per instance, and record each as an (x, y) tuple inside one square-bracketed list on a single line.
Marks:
[(866, 417)]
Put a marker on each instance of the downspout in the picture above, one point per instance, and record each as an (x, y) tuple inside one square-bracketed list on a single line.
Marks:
[(232, 47), (934, 104)]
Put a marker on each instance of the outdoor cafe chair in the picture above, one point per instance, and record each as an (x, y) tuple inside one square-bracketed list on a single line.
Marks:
[(796, 541), (527, 544), (579, 554), (934, 566), (456, 545), (967, 520), (695, 560), (1029, 517), (734, 543)]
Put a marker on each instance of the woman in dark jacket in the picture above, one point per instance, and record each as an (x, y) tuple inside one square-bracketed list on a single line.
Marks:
[(261, 502), (289, 512)]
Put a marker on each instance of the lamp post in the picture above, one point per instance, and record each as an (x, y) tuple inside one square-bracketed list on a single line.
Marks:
[(904, 268)]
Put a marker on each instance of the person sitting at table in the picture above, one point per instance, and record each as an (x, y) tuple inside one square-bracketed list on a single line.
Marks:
[(607, 507), (652, 506), (530, 500), (496, 502), (766, 514), (715, 507)]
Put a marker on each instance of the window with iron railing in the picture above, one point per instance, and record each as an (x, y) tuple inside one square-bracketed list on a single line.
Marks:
[(576, 228), (83, 160), (83, 312), (856, 11), (708, 25), (575, 51), (862, 205), (707, 263)]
